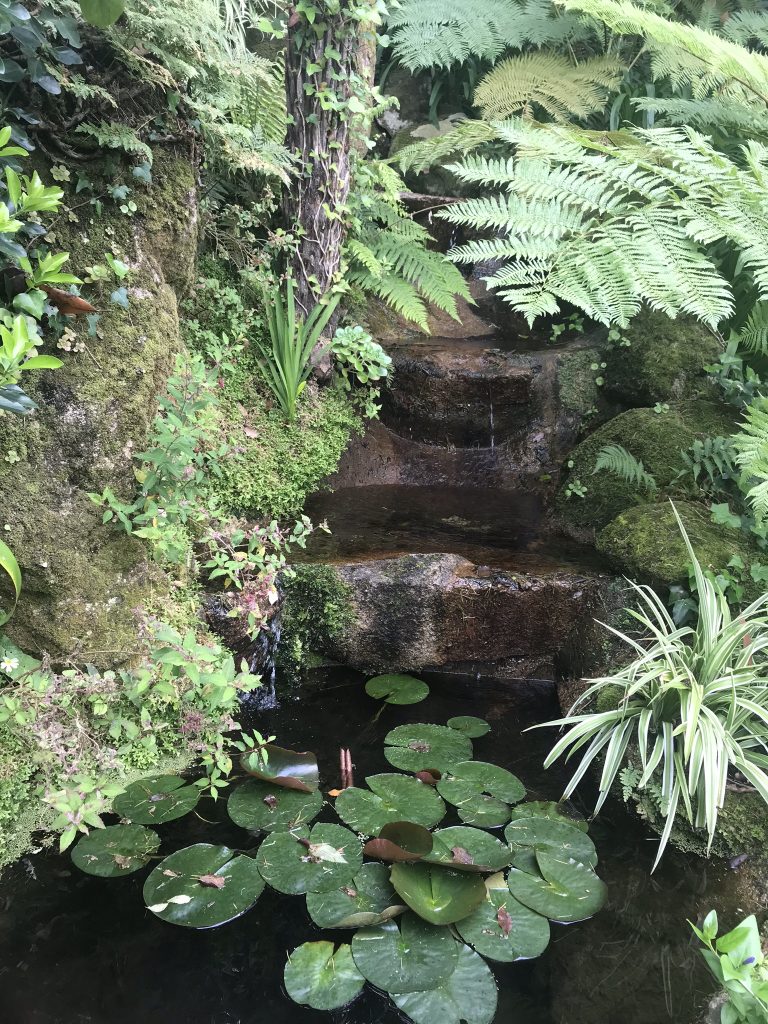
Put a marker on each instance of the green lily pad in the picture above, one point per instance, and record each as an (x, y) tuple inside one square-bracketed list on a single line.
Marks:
[(484, 810), (367, 900), (564, 891), (292, 769), (156, 800), (470, 778), (503, 929), (258, 805), (529, 835), (438, 894), (391, 798), (468, 995), (469, 726), (397, 689), (115, 850), (412, 748), (203, 886), (400, 841), (302, 861), (468, 849), (405, 959), (547, 809), (317, 976)]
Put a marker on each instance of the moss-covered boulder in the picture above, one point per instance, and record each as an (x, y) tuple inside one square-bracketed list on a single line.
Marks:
[(664, 361), (82, 579), (655, 438), (645, 543)]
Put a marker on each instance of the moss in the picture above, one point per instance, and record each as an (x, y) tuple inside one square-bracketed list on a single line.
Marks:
[(576, 380), (317, 610), (656, 439), (645, 542), (664, 361)]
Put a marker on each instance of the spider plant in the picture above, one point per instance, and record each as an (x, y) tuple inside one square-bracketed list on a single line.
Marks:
[(285, 358), (693, 706)]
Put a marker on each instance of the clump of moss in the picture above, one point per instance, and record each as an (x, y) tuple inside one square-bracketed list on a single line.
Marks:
[(317, 610), (577, 387)]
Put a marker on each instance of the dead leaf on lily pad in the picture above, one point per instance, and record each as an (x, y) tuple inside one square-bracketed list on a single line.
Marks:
[(213, 881)]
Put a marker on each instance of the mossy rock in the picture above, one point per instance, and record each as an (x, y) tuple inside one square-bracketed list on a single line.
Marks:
[(645, 543), (664, 362), (656, 439), (317, 610), (82, 579)]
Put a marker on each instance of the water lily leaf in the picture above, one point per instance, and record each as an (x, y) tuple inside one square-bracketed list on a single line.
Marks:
[(468, 849), (397, 689), (262, 805), (400, 841), (367, 900), (502, 928), (177, 890), (547, 809), (391, 798), (412, 748), (115, 850), (292, 769), (484, 810), (470, 778), (156, 800), (526, 835), (564, 891), (438, 894), (302, 861), (469, 726), (468, 995), (317, 976), (405, 959)]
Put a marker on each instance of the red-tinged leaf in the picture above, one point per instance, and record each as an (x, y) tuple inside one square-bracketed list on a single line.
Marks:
[(430, 776), (67, 303), (212, 881), (505, 921), (291, 769), (400, 842)]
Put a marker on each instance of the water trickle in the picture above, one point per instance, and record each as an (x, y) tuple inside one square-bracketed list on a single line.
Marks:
[(490, 417)]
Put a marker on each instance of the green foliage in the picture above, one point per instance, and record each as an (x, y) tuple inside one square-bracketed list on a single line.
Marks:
[(102, 13), (362, 362), (614, 458), (316, 612), (737, 963), (751, 445)]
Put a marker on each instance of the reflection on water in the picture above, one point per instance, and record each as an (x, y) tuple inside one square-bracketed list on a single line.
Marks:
[(81, 950)]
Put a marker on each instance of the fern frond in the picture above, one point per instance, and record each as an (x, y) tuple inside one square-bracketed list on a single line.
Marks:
[(751, 444), (466, 136), (397, 293), (112, 135), (615, 459), (754, 334)]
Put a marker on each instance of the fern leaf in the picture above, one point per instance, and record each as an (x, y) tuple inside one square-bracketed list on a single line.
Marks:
[(751, 444), (615, 459)]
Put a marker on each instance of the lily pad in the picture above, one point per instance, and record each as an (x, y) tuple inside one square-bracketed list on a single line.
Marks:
[(470, 778), (412, 748), (547, 809), (468, 995), (438, 894), (564, 891), (391, 798), (203, 886), (291, 769), (529, 835), (405, 959), (400, 841), (503, 929), (468, 849), (156, 800), (263, 806), (367, 900), (484, 810), (397, 689), (317, 976), (302, 861), (469, 726), (115, 850)]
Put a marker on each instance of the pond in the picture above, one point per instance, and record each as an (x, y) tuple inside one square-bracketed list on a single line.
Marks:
[(76, 949)]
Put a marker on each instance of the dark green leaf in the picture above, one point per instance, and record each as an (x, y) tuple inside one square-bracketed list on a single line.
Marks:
[(293, 769), (468, 995), (547, 809), (302, 861), (367, 900), (262, 805), (503, 929), (412, 957), (116, 850), (527, 835), (564, 891), (470, 778), (469, 726), (392, 798), (102, 13), (317, 976), (413, 748), (400, 841), (468, 849), (438, 894), (397, 689), (156, 800)]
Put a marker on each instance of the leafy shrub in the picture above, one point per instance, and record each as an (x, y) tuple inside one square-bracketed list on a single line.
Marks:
[(737, 963), (362, 361)]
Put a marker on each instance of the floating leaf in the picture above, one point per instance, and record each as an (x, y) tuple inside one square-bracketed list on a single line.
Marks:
[(400, 841), (486, 853), (547, 809), (397, 689), (180, 891), (469, 726), (529, 835), (263, 805), (438, 894), (429, 776), (291, 769), (564, 891), (484, 810), (412, 748), (367, 900), (115, 850), (502, 928), (302, 861), (471, 778), (468, 995), (391, 798), (405, 959), (317, 976), (156, 800)]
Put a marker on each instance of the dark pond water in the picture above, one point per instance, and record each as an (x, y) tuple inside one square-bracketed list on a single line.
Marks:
[(81, 950)]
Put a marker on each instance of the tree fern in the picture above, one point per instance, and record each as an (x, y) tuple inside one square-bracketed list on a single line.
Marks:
[(754, 334), (751, 444), (615, 459)]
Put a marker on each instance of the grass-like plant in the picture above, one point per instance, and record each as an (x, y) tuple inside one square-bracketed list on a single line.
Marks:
[(693, 706), (285, 358)]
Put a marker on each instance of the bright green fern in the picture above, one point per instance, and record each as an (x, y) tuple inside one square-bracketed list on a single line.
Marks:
[(751, 444), (615, 459)]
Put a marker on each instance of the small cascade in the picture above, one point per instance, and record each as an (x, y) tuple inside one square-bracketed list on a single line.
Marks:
[(490, 417)]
